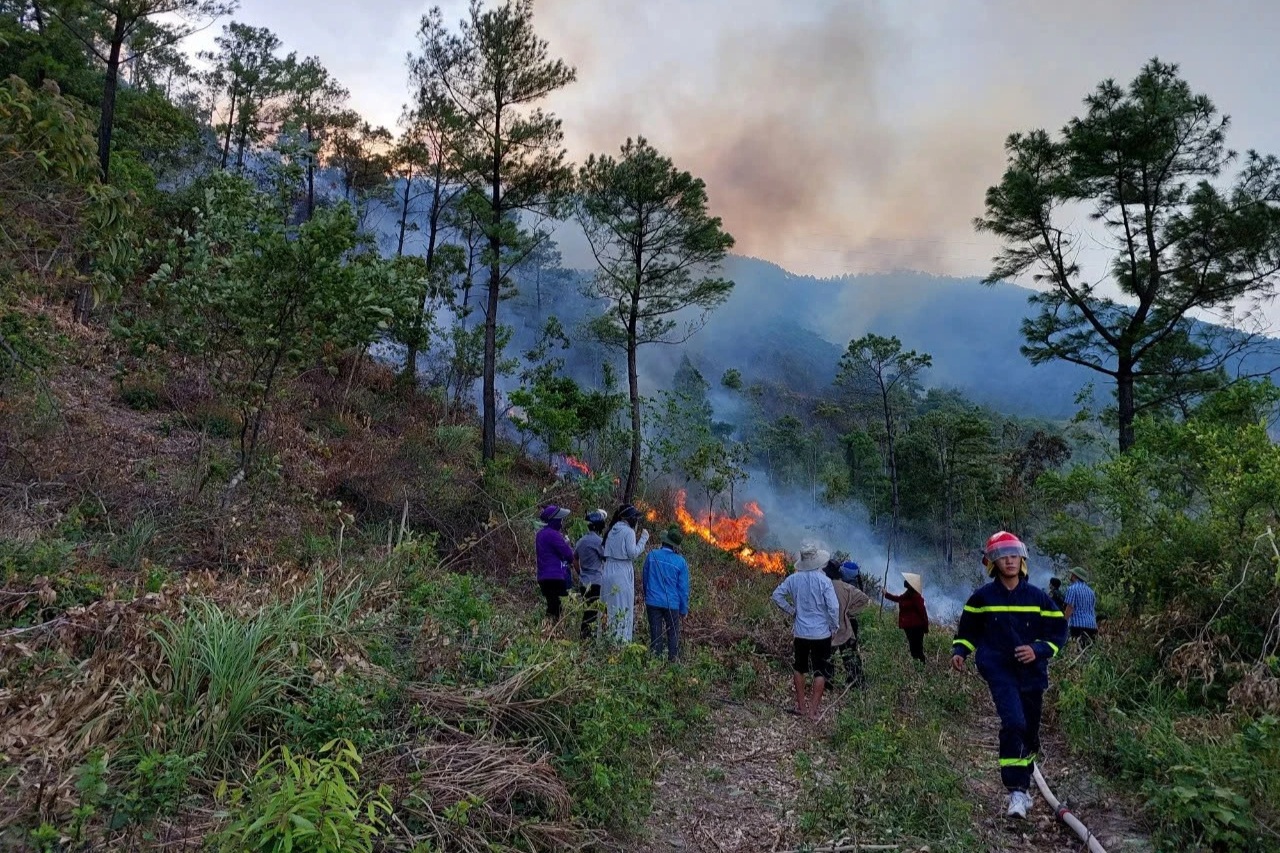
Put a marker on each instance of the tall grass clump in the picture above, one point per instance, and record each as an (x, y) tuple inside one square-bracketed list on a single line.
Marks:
[(226, 679)]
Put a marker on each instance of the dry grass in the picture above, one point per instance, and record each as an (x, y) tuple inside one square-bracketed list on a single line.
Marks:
[(477, 794)]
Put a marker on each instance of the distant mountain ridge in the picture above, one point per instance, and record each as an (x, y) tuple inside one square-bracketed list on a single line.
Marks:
[(792, 329)]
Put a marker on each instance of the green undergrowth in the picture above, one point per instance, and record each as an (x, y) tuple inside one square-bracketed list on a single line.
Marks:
[(1209, 781), (400, 705), (883, 776)]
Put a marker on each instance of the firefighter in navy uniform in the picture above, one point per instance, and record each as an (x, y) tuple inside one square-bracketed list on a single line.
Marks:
[(1013, 629)]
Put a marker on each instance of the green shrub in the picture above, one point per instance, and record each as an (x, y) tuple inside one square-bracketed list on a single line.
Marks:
[(345, 710), (304, 805), (153, 784)]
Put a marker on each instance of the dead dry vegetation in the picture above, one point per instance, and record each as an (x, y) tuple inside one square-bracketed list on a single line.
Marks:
[(166, 626)]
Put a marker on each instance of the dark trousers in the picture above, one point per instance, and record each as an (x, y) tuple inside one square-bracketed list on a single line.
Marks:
[(591, 598), (1019, 712), (851, 657), (664, 631), (553, 592), (813, 657), (1086, 636), (915, 641)]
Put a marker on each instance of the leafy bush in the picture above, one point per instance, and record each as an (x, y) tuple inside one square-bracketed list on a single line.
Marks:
[(153, 784), (296, 803), (345, 710)]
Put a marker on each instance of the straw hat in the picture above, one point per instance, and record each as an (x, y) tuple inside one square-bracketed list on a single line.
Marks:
[(914, 581), (811, 557)]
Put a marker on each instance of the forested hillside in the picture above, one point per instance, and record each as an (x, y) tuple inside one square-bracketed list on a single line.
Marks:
[(291, 403)]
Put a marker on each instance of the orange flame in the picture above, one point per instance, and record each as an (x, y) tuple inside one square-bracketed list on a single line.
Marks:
[(730, 534), (578, 465)]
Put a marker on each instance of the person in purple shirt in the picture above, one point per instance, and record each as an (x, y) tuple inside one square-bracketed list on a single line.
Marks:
[(555, 556)]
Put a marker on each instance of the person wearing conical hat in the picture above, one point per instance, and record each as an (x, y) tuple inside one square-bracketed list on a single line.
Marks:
[(808, 597), (1012, 628), (913, 616)]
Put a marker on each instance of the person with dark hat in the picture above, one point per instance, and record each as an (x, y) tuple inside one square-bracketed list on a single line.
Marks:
[(621, 547), (665, 580), (554, 556), (1080, 606), (1055, 593), (844, 642), (588, 560), (1013, 629)]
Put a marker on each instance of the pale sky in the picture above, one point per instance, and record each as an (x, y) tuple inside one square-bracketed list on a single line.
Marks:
[(835, 137)]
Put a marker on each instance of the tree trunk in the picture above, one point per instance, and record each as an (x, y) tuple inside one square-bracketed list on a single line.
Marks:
[(489, 443), (231, 114), (107, 121), (243, 134), (404, 214), (891, 453), (633, 387), (311, 173), (489, 430), (433, 231), (1125, 402), (948, 537)]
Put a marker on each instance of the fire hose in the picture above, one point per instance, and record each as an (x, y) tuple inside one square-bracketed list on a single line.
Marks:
[(1064, 814)]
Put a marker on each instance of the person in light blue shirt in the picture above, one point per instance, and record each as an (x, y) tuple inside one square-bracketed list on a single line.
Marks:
[(1081, 608), (666, 593), (810, 599)]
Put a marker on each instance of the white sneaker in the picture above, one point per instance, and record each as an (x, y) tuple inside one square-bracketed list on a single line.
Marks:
[(1019, 802)]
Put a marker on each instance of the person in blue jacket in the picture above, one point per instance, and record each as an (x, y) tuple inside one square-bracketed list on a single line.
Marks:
[(666, 593), (1013, 629)]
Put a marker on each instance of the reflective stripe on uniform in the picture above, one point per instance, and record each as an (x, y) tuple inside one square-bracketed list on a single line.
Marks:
[(1052, 646), (968, 645), (1012, 608), (1018, 762)]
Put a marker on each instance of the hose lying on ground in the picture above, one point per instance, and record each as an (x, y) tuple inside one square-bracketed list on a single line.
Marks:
[(1064, 814)]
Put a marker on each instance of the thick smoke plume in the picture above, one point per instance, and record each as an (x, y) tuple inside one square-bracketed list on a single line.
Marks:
[(842, 136), (794, 119)]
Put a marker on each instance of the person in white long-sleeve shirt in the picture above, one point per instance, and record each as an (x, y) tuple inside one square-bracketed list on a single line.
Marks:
[(809, 597), (622, 546)]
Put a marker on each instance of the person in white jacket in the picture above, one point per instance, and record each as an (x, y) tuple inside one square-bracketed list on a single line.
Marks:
[(808, 597), (618, 586)]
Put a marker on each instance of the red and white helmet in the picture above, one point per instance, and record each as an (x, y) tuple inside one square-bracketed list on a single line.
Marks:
[(1003, 544)]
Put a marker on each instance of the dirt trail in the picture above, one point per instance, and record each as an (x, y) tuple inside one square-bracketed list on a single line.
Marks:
[(1041, 832), (737, 790)]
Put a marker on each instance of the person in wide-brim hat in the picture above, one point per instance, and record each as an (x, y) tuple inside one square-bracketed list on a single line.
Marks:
[(1077, 572), (810, 559), (671, 536), (808, 597)]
